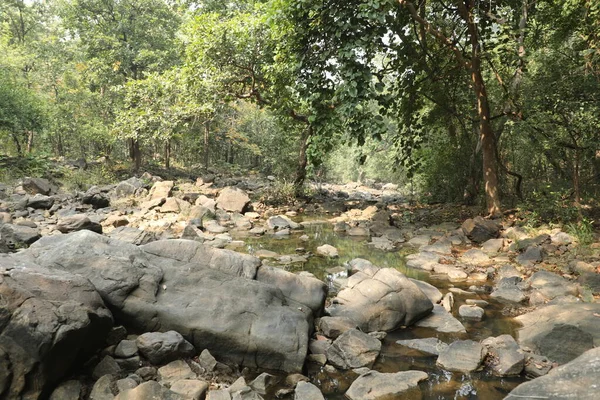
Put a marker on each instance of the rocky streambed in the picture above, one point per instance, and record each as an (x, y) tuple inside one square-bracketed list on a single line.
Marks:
[(189, 290)]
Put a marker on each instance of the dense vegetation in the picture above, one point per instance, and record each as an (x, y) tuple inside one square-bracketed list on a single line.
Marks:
[(494, 101)]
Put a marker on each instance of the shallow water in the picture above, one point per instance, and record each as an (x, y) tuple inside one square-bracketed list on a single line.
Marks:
[(441, 384)]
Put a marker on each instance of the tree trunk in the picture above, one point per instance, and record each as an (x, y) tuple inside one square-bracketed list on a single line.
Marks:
[(168, 154), (206, 135), (17, 144), (137, 155), (302, 161), (29, 141)]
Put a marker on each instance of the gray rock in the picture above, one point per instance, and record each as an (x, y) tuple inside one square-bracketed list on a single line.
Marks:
[(381, 300), (102, 389), (536, 365), (279, 222), (462, 356), (442, 246), (95, 198), (106, 366), (552, 285), (69, 390), (433, 293), (307, 391), (327, 250), (492, 246), (39, 201), (531, 256), (160, 348), (441, 321), (480, 230), (475, 257), (132, 235), (161, 190), (381, 386), (37, 186), (175, 371), (190, 389), (577, 379), (423, 260), (305, 290), (49, 320), (126, 384), (129, 187), (246, 394), (207, 361), (381, 243), (505, 356), (548, 329), (77, 222), (232, 199), (428, 345), (471, 312), (263, 382), (332, 327), (561, 238), (353, 349), (18, 236), (149, 390), (126, 348), (511, 290), (218, 395), (129, 364), (115, 335)]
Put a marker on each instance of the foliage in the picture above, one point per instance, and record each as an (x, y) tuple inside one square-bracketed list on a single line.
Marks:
[(278, 193), (583, 230)]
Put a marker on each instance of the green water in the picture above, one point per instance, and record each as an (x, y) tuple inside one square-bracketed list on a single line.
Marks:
[(393, 358)]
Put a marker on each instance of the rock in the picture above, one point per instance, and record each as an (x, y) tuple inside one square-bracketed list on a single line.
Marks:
[(381, 300), (207, 361), (454, 274), (382, 386), (175, 371), (232, 199), (126, 349), (263, 382), (358, 231), (95, 198), (462, 356), (102, 389), (190, 389), (161, 190), (353, 349), (552, 285), (332, 327), (246, 394), (448, 302), (40, 202), (160, 348), (548, 329), (78, 222), (536, 365), (382, 243), (149, 390), (480, 230), (132, 235), (199, 214), (471, 312), (511, 290), (505, 357), (50, 320), (18, 236), (69, 390), (327, 250), (441, 321), (173, 205), (575, 380), (279, 222), (305, 290), (126, 384), (115, 335), (433, 293), (218, 395), (147, 373), (475, 257), (207, 294), (36, 186), (419, 241), (130, 187), (442, 246), (107, 366), (531, 256), (492, 246), (424, 260), (432, 346), (307, 391)]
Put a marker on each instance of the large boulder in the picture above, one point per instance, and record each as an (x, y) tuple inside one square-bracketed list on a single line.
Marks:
[(78, 222), (480, 230), (232, 199), (381, 299), (577, 379), (18, 236), (37, 186), (208, 295), (50, 320), (561, 332)]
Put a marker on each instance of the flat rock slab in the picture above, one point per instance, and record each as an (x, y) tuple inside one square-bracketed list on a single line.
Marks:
[(577, 379), (462, 356), (552, 285), (507, 357), (431, 346), (381, 299), (442, 321), (561, 332), (353, 349), (382, 386)]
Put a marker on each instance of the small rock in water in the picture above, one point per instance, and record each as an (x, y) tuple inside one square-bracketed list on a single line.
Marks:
[(428, 345), (462, 356), (471, 312), (375, 385)]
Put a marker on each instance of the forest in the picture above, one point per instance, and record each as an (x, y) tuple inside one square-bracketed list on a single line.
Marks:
[(489, 102)]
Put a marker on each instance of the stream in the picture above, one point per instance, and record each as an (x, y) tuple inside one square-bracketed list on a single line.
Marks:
[(441, 384)]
